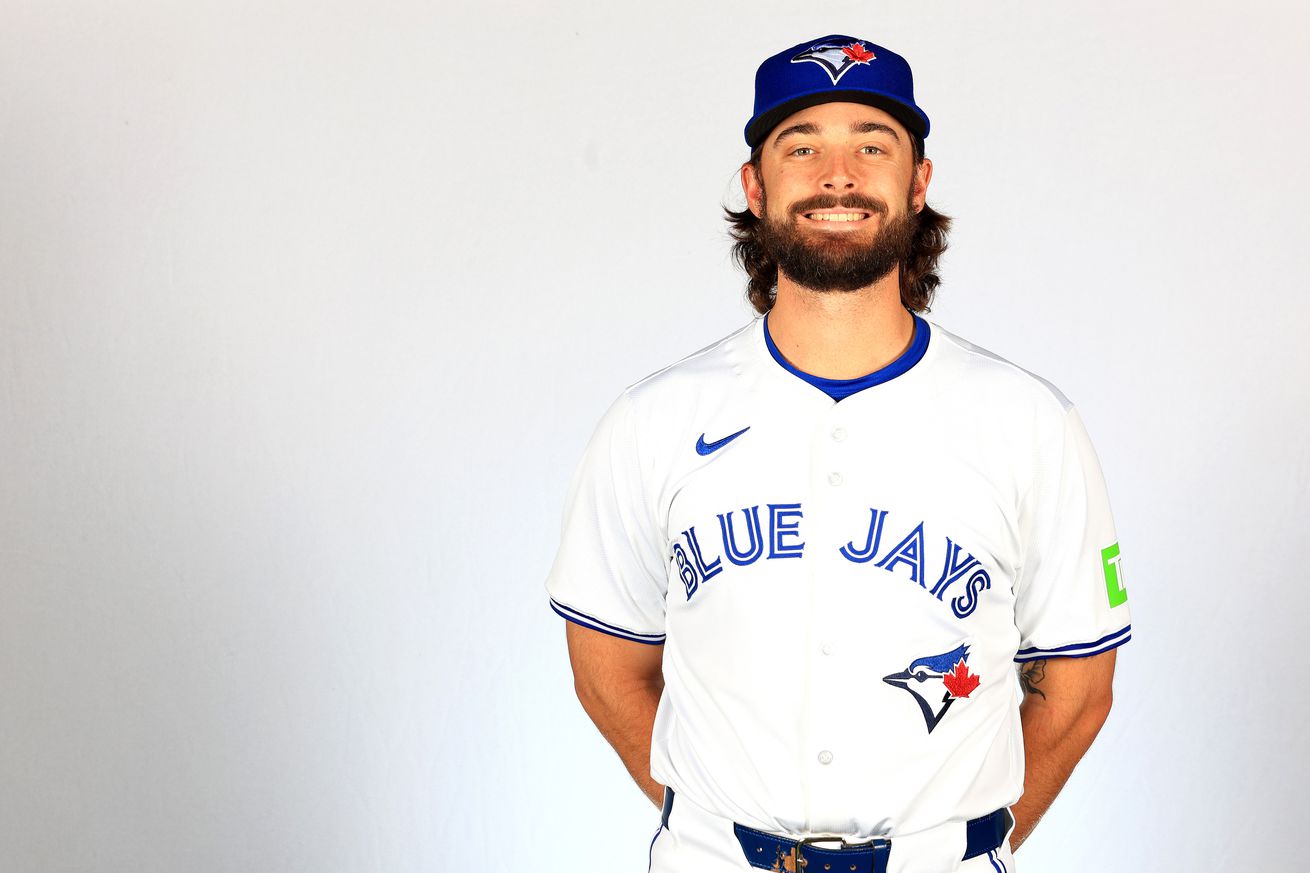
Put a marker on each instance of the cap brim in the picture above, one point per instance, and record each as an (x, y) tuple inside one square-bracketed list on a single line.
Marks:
[(760, 127)]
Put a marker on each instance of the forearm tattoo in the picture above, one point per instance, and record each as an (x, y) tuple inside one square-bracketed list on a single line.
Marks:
[(1031, 675)]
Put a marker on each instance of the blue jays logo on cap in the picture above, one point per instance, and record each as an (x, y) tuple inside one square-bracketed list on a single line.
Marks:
[(836, 57)]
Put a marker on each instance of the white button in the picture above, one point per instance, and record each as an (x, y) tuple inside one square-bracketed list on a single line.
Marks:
[(834, 478), (825, 757), (839, 433), (826, 648)]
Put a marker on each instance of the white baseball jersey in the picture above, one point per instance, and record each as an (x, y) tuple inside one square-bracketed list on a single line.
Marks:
[(842, 588)]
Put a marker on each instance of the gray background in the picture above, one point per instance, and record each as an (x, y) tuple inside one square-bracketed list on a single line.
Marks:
[(307, 310)]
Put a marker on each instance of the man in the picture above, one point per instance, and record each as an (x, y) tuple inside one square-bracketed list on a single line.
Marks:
[(800, 566)]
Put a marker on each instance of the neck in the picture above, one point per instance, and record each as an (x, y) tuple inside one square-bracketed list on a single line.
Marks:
[(841, 334)]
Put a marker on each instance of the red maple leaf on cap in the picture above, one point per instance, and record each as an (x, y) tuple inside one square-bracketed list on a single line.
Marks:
[(960, 682), (858, 53)]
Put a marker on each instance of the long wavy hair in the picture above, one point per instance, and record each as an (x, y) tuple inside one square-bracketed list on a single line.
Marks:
[(918, 273)]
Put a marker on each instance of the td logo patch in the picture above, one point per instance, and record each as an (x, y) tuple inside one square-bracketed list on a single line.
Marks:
[(835, 57), (937, 681), (1111, 563)]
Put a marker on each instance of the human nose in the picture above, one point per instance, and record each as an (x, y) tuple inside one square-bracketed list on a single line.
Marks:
[(837, 174)]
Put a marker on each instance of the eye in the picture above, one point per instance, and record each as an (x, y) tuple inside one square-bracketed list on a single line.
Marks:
[(869, 150), (805, 149), (921, 676)]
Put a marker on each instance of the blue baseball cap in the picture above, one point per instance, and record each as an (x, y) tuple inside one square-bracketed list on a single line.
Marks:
[(829, 70)]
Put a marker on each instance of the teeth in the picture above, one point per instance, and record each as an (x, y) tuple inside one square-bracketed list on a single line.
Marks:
[(838, 216)]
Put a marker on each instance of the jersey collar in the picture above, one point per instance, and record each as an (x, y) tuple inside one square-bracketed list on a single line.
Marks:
[(839, 388)]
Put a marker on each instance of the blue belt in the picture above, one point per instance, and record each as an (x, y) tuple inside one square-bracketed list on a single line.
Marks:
[(771, 852)]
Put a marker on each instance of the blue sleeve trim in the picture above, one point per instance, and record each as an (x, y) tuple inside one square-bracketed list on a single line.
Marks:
[(1077, 650), (588, 621), (1041, 657)]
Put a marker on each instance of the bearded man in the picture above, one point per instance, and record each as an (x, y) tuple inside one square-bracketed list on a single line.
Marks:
[(801, 566)]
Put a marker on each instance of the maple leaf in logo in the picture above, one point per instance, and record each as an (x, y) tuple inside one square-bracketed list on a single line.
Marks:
[(960, 682), (857, 53)]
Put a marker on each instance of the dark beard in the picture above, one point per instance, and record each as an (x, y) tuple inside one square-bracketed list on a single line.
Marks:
[(837, 264)]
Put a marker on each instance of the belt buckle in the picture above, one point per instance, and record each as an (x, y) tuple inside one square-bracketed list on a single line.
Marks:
[(800, 862)]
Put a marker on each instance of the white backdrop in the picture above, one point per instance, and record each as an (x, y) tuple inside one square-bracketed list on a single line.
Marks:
[(307, 310)]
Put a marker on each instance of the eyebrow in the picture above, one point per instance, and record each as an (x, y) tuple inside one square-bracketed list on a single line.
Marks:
[(809, 128), (874, 127)]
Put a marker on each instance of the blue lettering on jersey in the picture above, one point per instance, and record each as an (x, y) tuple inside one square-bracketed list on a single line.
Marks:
[(686, 572), (707, 572), (866, 554), (780, 526), (755, 548), (953, 569), (908, 551), (964, 605), (694, 564)]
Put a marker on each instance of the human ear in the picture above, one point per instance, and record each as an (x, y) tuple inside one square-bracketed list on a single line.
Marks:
[(922, 175), (750, 185)]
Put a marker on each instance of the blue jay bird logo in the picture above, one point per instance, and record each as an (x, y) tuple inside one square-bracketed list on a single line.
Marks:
[(836, 58), (937, 681)]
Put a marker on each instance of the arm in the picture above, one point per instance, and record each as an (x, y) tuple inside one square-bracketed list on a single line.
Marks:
[(619, 683), (1065, 702)]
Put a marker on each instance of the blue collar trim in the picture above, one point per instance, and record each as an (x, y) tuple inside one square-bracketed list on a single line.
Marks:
[(839, 388)]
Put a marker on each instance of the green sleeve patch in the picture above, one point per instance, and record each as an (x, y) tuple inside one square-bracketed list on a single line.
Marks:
[(1114, 580)]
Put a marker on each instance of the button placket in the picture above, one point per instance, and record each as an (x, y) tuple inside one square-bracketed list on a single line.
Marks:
[(831, 448), (837, 433)]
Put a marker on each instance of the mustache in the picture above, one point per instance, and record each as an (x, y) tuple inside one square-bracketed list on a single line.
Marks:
[(849, 201)]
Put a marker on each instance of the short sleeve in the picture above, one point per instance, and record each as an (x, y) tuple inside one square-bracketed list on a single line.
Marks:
[(610, 574), (1070, 599)]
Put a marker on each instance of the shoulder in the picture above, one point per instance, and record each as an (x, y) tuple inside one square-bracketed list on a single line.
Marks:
[(967, 367), (655, 415), (706, 370)]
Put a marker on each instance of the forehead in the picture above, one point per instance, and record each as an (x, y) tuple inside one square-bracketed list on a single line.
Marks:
[(837, 119)]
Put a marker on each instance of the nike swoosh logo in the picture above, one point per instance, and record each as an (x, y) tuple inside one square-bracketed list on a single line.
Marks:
[(704, 448)]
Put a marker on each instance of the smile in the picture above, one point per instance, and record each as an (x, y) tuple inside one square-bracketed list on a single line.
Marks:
[(836, 216)]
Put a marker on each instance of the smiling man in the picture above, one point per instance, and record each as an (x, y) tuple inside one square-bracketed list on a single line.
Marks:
[(843, 590)]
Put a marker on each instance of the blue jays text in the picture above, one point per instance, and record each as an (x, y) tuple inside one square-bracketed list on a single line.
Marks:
[(745, 539)]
